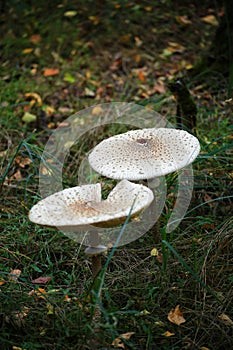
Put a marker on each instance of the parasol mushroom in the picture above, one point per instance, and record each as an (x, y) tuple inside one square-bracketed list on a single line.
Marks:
[(82, 207), (144, 153)]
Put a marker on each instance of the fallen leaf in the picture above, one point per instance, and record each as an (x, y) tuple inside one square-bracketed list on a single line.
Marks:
[(49, 110), (97, 110), (35, 96), (69, 78), (88, 92), (210, 19), (22, 162), (28, 117), (138, 41), (27, 50), (204, 348), (168, 334), (50, 309), (141, 76), (117, 343), (183, 20), (18, 175), (34, 39), (2, 281), (154, 252), (175, 47), (95, 20), (49, 72), (70, 13), (144, 313), (176, 316), (225, 319), (42, 280), (159, 89), (14, 275), (40, 293)]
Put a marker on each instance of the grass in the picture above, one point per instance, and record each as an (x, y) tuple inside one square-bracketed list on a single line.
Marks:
[(193, 268)]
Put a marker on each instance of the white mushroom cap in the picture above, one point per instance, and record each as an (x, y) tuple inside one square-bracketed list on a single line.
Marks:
[(82, 205), (144, 153)]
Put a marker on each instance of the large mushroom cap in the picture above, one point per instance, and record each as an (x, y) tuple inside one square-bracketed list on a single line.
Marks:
[(144, 154), (82, 205)]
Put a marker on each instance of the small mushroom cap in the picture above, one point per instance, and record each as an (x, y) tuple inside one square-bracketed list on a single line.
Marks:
[(82, 205), (144, 154)]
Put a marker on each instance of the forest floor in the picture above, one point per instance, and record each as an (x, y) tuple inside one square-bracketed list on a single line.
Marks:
[(58, 58)]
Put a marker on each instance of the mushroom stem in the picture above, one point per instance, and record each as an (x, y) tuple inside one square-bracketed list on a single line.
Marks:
[(96, 265), (95, 251)]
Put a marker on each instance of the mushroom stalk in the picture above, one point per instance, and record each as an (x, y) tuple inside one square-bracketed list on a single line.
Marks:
[(95, 251), (96, 265)]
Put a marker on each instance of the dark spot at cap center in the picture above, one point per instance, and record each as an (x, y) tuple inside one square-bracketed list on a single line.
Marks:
[(142, 141)]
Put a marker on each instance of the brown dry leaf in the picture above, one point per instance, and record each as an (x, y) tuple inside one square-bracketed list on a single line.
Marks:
[(2, 281), (141, 76), (22, 162), (176, 316), (40, 293), (183, 20), (17, 175), (42, 280), (125, 38), (175, 47), (210, 19), (34, 39), (117, 343), (159, 89), (225, 319), (168, 334), (49, 72)]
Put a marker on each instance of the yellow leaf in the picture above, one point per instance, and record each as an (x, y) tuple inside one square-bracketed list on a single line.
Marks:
[(210, 19), (118, 341), (28, 117), (70, 13), (168, 334), (2, 281), (144, 313), (176, 316), (49, 110), (35, 96), (154, 252), (27, 50), (50, 309), (225, 319), (17, 348), (204, 348), (94, 19)]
